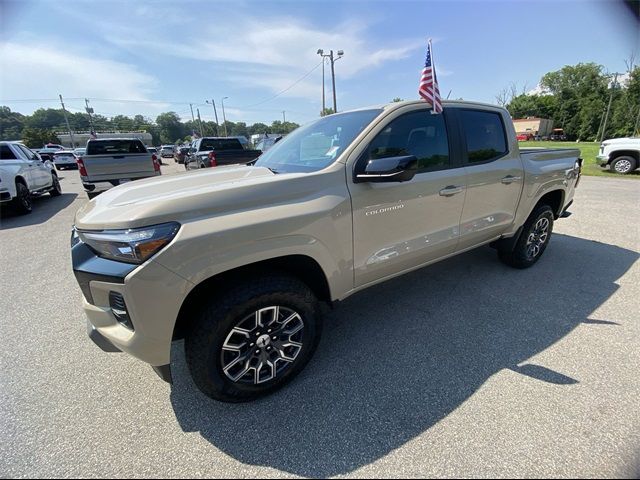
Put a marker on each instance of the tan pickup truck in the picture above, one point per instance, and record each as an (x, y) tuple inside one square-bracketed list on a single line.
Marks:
[(235, 260)]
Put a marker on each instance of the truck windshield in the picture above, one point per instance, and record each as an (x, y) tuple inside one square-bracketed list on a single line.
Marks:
[(315, 146)]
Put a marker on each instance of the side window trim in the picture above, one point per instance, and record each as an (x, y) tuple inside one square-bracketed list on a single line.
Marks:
[(463, 137)]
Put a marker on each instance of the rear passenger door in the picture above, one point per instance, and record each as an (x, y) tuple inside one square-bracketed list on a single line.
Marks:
[(495, 176)]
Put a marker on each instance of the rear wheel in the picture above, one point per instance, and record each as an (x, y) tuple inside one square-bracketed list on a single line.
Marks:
[(22, 203), (254, 339), (533, 240), (623, 165)]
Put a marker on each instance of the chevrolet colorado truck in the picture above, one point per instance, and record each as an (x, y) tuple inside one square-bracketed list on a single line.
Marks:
[(621, 155), (218, 151), (236, 261), (108, 162), (23, 174)]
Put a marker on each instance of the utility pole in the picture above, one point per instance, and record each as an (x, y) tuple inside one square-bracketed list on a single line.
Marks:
[(193, 119), (332, 59), (333, 82), (200, 123), (215, 113), (64, 110), (635, 129), (606, 116), (89, 112), (284, 120), (224, 118)]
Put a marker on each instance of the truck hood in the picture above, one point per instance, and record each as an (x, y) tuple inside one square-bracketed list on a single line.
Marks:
[(616, 141), (179, 197)]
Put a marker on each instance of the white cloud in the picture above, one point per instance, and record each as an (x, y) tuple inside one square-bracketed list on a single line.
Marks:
[(287, 46), (50, 70)]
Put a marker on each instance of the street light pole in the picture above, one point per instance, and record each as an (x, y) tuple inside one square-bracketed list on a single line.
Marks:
[(333, 82), (224, 118), (284, 120), (89, 112)]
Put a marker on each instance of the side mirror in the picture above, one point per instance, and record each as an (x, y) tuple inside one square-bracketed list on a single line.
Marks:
[(391, 169)]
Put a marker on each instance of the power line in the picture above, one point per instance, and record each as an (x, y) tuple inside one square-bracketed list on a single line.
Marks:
[(286, 89)]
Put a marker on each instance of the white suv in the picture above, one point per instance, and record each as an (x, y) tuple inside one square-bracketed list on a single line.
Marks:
[(23, 173), (621, 154)]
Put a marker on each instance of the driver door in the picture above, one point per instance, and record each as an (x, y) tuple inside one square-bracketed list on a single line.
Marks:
[(401, 225)]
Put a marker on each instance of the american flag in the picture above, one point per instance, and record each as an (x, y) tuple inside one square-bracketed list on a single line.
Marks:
[(429, 89)]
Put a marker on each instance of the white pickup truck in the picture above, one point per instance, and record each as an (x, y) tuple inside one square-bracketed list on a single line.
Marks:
[(112, 161), (622, 155), (22, 174)]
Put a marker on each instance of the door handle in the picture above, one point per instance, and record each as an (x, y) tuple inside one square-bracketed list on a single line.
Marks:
[(451, 190), (510, 179)]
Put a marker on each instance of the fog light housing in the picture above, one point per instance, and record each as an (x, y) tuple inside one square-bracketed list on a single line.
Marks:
[(119, 310)]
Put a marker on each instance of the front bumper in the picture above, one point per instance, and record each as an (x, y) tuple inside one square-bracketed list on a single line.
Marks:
[(153, 296), (602, 160)]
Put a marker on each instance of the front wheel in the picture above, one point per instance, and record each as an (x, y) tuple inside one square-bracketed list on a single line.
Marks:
[(22, 203), (533, 240), (623, 165), (253, 339), (56, 189)]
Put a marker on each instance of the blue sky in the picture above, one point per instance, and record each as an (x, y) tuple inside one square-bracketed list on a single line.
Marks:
[(161, 56)]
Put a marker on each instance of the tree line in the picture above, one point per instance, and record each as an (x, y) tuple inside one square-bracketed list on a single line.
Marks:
[(42, 125), (576, 98)]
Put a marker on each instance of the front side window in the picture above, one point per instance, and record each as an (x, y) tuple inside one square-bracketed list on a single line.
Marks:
[(485, 135), (28, 153), (317, 145), (421, 134)]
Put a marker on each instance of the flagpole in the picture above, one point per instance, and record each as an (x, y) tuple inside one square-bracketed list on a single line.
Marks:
[(433, 85)]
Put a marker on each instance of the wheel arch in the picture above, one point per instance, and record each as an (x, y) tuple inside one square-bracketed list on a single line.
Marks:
[(625, 153), (302, 267), (553, 198)]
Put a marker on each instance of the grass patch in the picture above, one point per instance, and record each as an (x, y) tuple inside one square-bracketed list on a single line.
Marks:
[(588, 151)]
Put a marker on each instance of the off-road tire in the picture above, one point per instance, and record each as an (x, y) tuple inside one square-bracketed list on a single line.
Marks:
[(520, 256), (206, 336)]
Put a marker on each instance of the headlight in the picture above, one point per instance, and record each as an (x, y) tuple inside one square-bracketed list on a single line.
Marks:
[(133, 245)]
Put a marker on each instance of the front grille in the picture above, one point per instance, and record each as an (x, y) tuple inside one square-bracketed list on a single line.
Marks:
[(119, 309)]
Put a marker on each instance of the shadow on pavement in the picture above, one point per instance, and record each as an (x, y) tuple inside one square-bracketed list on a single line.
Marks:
[(44, 207), (401, 356)]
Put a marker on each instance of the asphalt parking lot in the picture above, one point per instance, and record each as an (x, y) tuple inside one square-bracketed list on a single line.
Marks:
[(464, 369)]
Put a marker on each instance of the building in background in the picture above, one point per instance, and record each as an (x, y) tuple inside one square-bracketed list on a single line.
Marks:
[(81, 138), (533, 126)]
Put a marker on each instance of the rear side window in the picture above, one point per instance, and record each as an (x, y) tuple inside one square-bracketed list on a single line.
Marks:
[(6, 153), (115, 147), (484, 132), (215, 144), (417, 133)]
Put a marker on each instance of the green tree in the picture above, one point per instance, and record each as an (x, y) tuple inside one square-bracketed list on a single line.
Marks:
[(37, 137), (258, 129), (326, 111), (543, 106), (171, 129), (123, 123), (240, 128), (397, 99), (580, 91), (11, 124), (46, 118)]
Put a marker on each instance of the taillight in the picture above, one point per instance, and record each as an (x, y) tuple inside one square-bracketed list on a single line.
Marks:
[(81, 169), (212, 159), (156, 164)]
